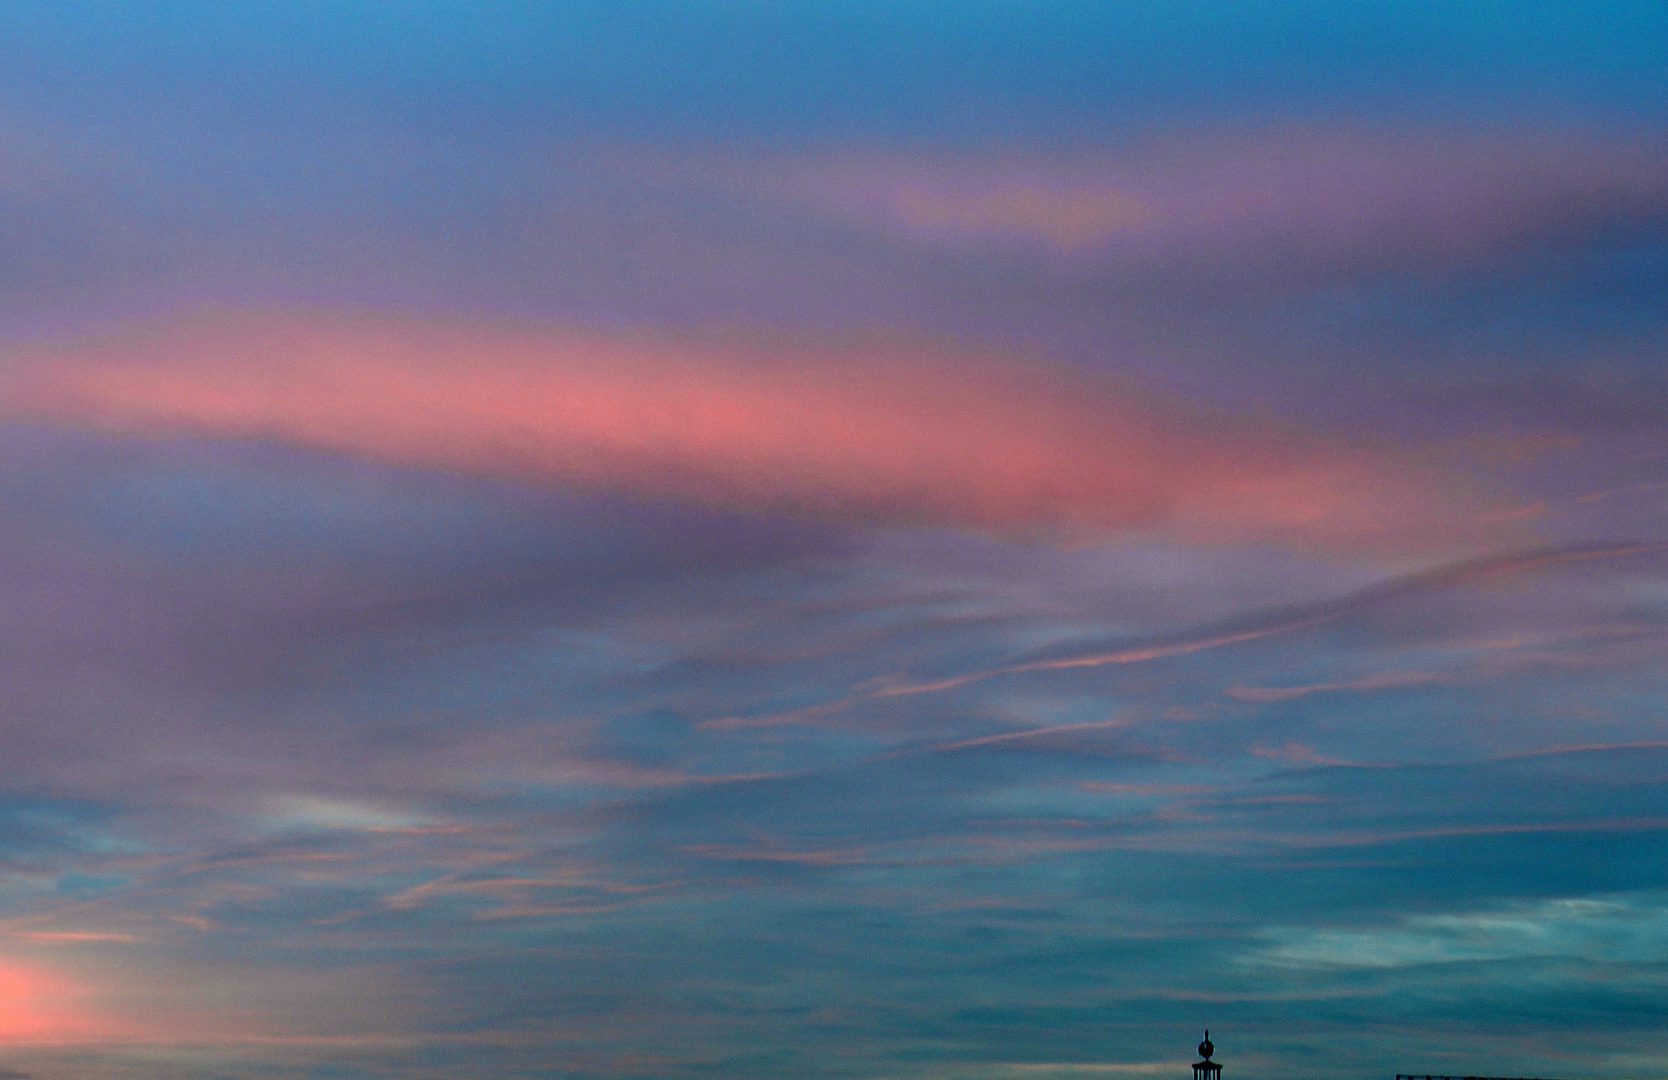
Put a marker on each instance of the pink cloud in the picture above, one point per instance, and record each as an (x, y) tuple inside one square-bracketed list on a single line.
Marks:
[(1303, 193), (888, 431)]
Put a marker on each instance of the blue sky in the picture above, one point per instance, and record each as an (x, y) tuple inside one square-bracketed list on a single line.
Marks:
[(879, 541)]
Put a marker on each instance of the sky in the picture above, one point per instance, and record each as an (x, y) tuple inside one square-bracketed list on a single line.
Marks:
[(743, 539)]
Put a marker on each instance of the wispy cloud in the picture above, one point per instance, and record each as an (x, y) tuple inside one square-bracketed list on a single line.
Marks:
[(1384, 680), (887, 432), (1628, 929), (1336, 196), (1242, 629)]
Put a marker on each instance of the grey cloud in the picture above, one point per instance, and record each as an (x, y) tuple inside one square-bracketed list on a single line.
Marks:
[(1627, 929)]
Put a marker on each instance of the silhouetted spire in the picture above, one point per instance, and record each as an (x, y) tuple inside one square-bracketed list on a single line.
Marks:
[(1207, 1069)]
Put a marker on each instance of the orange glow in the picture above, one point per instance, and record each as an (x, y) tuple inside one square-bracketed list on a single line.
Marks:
[(892, 432), (38, 1005)]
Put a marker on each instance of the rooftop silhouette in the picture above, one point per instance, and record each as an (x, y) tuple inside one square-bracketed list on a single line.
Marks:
[(1205, 1068)]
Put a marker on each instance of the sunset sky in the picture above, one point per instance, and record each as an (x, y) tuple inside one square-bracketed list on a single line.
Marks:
[(833, 539)]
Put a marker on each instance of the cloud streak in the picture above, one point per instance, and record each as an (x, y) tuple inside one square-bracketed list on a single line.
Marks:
[(1322, 197), (1239, 630), (886, 432)]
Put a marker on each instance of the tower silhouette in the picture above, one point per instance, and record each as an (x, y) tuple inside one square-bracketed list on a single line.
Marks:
[(1207, 1069)]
